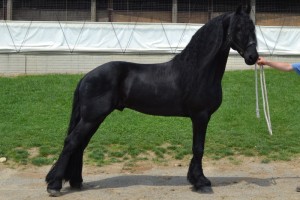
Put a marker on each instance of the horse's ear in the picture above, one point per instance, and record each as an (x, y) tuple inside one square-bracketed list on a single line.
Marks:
[(239, 9), (248, 9)]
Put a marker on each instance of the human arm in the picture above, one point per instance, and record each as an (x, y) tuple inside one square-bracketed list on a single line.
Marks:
[(282, 66)]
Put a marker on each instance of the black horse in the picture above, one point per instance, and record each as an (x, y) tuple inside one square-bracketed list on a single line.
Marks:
[(189, 85)]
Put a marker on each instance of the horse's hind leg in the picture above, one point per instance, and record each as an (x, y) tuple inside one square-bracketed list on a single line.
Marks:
[(73, 146), (73, 172)]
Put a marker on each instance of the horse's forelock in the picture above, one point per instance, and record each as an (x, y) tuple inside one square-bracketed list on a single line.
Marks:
[(243, 21)]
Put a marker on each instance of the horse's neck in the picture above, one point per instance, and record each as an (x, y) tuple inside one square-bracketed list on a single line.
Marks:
[(206, 55), (208, 46)]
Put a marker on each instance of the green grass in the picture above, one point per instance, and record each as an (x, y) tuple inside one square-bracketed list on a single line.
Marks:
[(35, 110)]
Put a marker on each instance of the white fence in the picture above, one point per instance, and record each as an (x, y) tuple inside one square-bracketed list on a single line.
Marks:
[(38, 47)]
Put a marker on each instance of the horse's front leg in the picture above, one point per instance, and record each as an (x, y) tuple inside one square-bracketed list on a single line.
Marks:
[(195, 173)]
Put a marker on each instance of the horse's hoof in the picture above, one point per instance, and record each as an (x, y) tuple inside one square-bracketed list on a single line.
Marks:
[(298, 189), (205, 181), (204, 189), (54, 193), (199, 182), (76, 186)]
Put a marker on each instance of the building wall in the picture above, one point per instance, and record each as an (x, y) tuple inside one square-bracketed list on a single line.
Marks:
[(278, 19), (50, 63), (265, 18)]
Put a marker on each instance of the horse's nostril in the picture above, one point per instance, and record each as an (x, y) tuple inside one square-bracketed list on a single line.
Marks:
[(253, 58)]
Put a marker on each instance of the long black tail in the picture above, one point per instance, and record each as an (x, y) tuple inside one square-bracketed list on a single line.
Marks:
[(75, 117), (75, 113)]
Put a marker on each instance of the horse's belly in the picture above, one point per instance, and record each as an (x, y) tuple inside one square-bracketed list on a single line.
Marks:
[(155, 106), (161, 111)]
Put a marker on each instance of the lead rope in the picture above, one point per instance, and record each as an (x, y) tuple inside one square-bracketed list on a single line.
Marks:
[(256, 92), (264, 97)]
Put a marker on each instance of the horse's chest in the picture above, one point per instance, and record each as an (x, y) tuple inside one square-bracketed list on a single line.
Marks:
[(206, 98)]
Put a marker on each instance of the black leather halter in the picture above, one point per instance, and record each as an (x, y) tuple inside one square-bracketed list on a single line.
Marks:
[(229, 41)]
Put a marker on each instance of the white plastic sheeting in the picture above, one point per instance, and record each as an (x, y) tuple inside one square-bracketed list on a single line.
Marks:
[(276, 40), (21, 36)]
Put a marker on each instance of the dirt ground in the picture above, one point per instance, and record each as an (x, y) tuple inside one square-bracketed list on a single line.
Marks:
[(241, 178)]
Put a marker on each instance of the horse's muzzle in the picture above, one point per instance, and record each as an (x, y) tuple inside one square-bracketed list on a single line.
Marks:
[(251, 55)]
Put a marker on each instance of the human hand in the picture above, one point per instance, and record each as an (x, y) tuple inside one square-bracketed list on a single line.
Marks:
[(261, 61)]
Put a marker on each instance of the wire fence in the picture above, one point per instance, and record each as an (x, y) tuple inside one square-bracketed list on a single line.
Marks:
[(267, 12)]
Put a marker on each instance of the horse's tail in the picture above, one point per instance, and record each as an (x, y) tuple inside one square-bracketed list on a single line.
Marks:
[(75, 117), (75, 113)]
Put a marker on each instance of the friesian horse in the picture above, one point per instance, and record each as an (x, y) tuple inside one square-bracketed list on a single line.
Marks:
[(189, 85)]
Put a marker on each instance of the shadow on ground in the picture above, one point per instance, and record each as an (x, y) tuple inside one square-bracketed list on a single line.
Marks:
[(146, 180)]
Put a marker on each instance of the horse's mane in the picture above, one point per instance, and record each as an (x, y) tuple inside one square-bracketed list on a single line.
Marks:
[(210, 39), (206, 54), (201, 54), (205, 43)]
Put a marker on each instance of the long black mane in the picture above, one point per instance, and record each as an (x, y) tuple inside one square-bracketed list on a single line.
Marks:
[(205, 42), (212, 36), (205, 56), (207, 52)]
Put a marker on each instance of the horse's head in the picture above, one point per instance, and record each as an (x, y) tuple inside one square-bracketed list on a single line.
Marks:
[(241, 35)]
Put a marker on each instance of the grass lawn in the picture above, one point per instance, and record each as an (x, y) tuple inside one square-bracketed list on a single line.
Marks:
[(35, 111)]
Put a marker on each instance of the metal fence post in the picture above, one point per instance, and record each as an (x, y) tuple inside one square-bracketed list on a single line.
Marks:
[(174, 11), (9, 7), (93, 11), (253, 9)]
